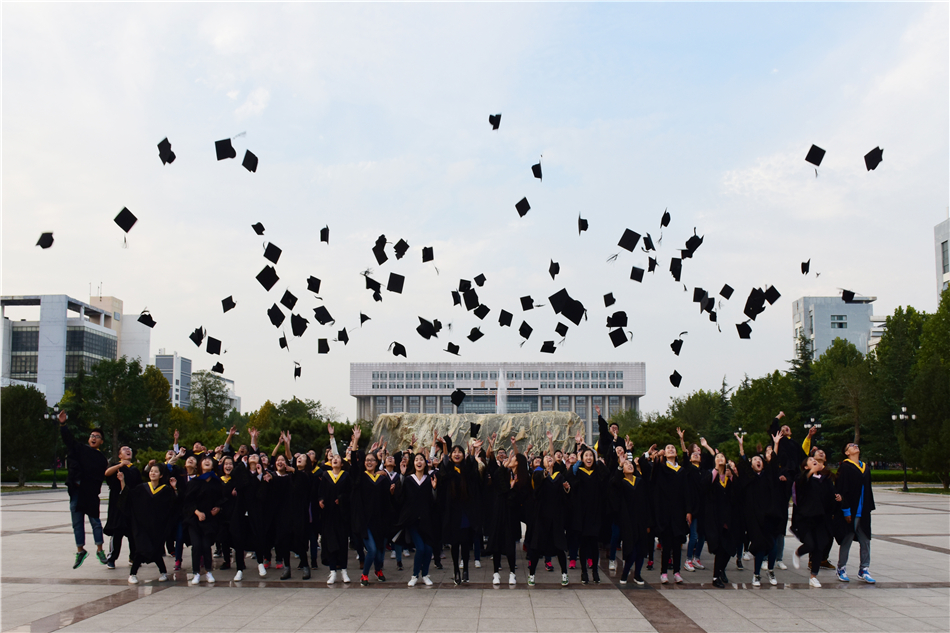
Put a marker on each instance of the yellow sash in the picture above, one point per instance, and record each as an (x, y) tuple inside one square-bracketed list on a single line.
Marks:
[(669, 465), (335, 478), (225, 478), (373, 476), (554, 476), (859, 466), (632, 483), (153, 489), (589, 472), (723, 481)]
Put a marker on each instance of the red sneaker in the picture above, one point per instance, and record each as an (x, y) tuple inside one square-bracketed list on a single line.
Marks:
[(279, 566), (549, 566), (364, 580), (572, 564)]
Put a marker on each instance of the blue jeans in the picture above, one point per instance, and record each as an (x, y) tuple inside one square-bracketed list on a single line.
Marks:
[(759, 558), (863, 541), (694, 547), (180, 541), (614, 540), (79, 527), (374, 555), (420, 563)]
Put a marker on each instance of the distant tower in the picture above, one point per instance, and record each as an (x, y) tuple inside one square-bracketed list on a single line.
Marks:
[(501, 399)]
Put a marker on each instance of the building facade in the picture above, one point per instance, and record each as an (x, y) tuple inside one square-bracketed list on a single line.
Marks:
[(177, 371), (522, 388), (942, 256), (823, 319)]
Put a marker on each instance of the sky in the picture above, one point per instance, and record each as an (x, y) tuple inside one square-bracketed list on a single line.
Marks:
[(373, 119)]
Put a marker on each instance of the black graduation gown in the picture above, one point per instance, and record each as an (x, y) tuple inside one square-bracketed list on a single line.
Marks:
[(634, 511), (417, 507), (370, 502), (849, 482), (694, 476), (203, 495), (86, 468), (763, 505), (672, 499), (278, 504), (814, 506), (548, 509), (301, 498), (505, 526), (119, 517), (335, 521), (588, 498), (719, 520), (232, 511), (459, 491), (149, 516)]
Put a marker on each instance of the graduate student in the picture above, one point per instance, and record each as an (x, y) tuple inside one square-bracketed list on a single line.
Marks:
[(853, 486), (460, 499), (119, 522), (719, 491), (371, 493), (232, 529), (631, 497), (695, 461), (589, 484), (762, 508), (672, 501), (811, 516), (334, 501), (509, 483), (200, 514), (150, 506), (86, 470), (416, 498), (549, 492)]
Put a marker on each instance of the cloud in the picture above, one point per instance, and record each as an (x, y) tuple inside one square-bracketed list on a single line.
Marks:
[(255, 103), (233, 94)]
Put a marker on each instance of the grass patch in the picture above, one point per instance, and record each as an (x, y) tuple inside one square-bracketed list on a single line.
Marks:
[(4, 489), (931, 491)]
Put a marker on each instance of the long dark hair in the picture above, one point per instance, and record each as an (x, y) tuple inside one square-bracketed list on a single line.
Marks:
[(521, 470)]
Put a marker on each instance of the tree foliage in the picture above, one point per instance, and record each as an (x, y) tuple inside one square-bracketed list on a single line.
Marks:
[(27, 438)]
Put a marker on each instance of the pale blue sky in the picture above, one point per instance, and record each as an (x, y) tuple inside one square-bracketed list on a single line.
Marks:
[(373, 119)]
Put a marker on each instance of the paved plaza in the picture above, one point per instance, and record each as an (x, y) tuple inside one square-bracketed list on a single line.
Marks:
[(40, 592)]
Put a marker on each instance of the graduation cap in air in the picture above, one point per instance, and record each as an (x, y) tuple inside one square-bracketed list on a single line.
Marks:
[(464, 284), (343, 337), (504, 318), (223, 149), (165, 151), (298, 324), (652, 265), (665, 220), (197, 336), (636, 274), (288, 300), (45, 241), (609, 299), (322, 315), (401, 247), (250, 161), (258, 228), (814, 156), (527, 303), (425, 329), (218, 368), (744, 329), (297, 370), (648, 243), (617, 319), (618, 337), (693, 243), (379, 250), (272, 253), (313, 284), (712, 316), (805, 267), (676, 346), (228, 303), (755, 304), (458, 396), (873, 158), (548, 347), (126, 219), (559, 300), (396, 282), (268, 277), (726, 292), (707, 304), (471, 299), (323, 346), (699, 295), (456, 298), (675, 378), (481, 311), (428, 254), (325, 234), (561, 329), (536, 170), (494, 120), (525, 330), (275, 315), (282, 341), (581, 224), (146, 319), (628, 241), (480, 280), (772, 295), (363, 319), (213, 346), (554, 269), (475, 334), (452, 348), (847, 295), (574, 311), (676, 268), (523, 207), (473, 429), (398, 349)]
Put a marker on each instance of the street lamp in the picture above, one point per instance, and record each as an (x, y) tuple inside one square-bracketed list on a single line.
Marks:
[(148, 424), (812, 423), (52, 414), (903, 417)]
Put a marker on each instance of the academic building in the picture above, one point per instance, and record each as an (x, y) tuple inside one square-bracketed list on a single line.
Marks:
[(523, 388), (823, 319)]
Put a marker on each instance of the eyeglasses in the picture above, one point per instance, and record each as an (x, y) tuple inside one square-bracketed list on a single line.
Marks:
[(95, 435)]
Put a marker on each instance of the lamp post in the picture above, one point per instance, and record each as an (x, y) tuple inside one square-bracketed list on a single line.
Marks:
[(812, 423), (52, 414), (904, 417), (148, 425)]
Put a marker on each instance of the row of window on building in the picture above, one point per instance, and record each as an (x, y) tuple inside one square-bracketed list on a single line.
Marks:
[(543, 385), (487, 404), (493, 375)]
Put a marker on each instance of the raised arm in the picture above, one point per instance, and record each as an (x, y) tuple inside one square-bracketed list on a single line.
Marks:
[(741, 448), (287, 453), (682, 434)]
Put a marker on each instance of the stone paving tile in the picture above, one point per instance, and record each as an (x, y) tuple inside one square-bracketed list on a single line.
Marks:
[(564, 624), (622, 624), (507, 624), (448, 624)]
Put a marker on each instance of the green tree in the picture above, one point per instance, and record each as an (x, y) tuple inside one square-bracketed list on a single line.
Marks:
[(26, 437), (117, 399), (700, 410), (661, 430), (627, 420), (159, 406), (848, 393), (802, 375), (209, 398), (756, 402)]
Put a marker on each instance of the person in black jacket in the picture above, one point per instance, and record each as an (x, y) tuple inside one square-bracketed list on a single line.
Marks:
[(550, 491), (509, 482), (86, 470), (371, 493), (334, 501), (763, 508), (119, 521), (695, 461), (232, 528), (460, 497), (811, 517), (150, 506), (589, 479), (719, 492), (202, 501), (417, 514), (791, 456), (631, 495), (853, 486), (673, 501)]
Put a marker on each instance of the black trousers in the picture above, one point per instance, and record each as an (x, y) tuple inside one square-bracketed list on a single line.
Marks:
[(117, 536), (671, 547), (200, 548), (535, 554), (138, 562)]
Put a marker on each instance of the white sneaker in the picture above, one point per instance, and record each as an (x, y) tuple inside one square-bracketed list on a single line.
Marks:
[(781, 565), (163, 578), (496, 579), (531, 580), (478, 563), (747, 556), (392, 554), (688, 566), (196, 579), (813, 581), (427, 581), (133, 580), (239, 576), (623, 582), (209, 577), (261, 570), (511, 578), (698, 564), (796, 560), (346, 577), (756, 582), (772, 580), (612, 566), (413, 581), (565, 581), (331, 578), (461, 564)]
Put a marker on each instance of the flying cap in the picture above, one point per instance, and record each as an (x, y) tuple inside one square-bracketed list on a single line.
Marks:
[(494, 120), (343, 337), (458, 396), (699, 295), (527, 303), (814, 156), (396, 282), (146, 319), (847, 295), (213, 346), (636, 274), (536, 170), (675, 378), (313, 284), (298, 324), (574, 311), (726, 292), (806, 266), (268, 277), (480, 280), (609, 299), (428, 254), (755, 304), (401, 247), (473, 429), (288, 300), (275, 315), (258, 228), (475, 334), (581, 224), (322, 315), (559, 300), (665, 220), (228, 303), (693, 243), (323, 346), (464, 284), (523, 207), (126, 220), (873, 158), (744, 329), (561, 329), (676, 346), (325, 234), (618, 337), (282, 341), (223, 149), (504, 318), (482, 311), (652, 266), (525, 330), (554, 269), (676, 268), (272, 253), (648, 243), (165, 152), (218, 368), (425, 329), (628, 241), (250, 161), (772, 295), (363, 319), (456, 298), (617, 319), (45, 241), (471, 299), (379, 250), (548, 347), (452, 348), (197, 336), (297, 370)]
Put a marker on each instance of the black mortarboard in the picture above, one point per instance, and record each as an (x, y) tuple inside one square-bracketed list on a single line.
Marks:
[(504, 318), (609, 299), (676, 346), (480, 280), (495, 120), (847, 295), (456, 298), (708, 304), (282, 341), (581, 224), (288, 300), (401, 247), (268, 277), (146, 319), (636, 274), (297, 370), (536, 170), (343, 337), (693, 243), (473, 429), (223, 149), (325, 234), (712, 316), (298, 324), (428, 254), (425, 329), (322, 315), (686, 254), (250, 161), (574, 311), (272, 253), (396, 282), (165, 152), (699, 295), (665, 220), (323, 346), (814, 156), (475, 334), (744, 329), (652, 265), (755, 304), (559, 300), (527, 303), (275, 315), (618, 337), (628, 241), (363, 319), (452, 348), (437, 325), (617, 319), (772, 295), (380, 252), (525, 330), (805, 267), (458, 396), (464, 284), (554, 269), (126, 220), (228, 303), (675, 378), (523, 207), (313, 284), (561, 329), (726, 292), (873, 158), (258, 228), (482, 311), (213, 346), (676, 267), (648, 243), (548, 347), (372, 284), (45, 241), (197, 336), (471, 299), (218, 368)]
